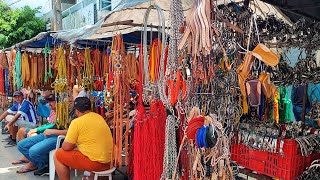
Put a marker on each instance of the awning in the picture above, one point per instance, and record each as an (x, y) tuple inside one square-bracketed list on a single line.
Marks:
[(130, 19), (39, 41), (297, 9)]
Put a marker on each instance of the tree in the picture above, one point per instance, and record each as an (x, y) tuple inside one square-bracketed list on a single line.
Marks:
[(17, 25)]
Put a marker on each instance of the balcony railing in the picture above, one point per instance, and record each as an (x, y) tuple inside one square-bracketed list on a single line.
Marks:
[(77, 7)]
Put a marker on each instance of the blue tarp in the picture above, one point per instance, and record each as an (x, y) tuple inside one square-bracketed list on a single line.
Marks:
[(42, 42)]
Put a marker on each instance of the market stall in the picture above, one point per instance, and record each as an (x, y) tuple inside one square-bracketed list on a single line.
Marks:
[(190, 89)]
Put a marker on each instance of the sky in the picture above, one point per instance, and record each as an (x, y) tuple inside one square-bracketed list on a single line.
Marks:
[(45, 4)]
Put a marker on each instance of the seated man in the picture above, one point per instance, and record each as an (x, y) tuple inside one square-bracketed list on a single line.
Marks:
[(36, 148), (24, 116), (91, 135), (27, 132)]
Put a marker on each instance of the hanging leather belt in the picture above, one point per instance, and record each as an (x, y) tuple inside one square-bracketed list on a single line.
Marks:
[(69, 70), (120, 98), (132, 69), (40, 73), (25, 70), (98, 70), (3, 65), (34, 71), (2, 92), (12, 58)]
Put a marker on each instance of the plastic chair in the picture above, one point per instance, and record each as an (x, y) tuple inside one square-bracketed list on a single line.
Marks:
[(52, 169), (107, 173)]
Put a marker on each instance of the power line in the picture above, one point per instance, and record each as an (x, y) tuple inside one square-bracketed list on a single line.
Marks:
[(43, 7), (14, 2)]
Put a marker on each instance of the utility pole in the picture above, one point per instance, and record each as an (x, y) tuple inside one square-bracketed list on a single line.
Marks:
[(57, 15)]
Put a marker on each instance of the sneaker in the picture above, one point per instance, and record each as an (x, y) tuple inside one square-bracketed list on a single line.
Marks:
[(12, 142), (7, 139), (41, 171)]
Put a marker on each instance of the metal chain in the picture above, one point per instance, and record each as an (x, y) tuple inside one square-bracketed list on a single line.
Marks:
[(176, 21), (170, 151)]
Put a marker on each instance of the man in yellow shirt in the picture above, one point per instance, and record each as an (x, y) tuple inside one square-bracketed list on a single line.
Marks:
[(92, 137)]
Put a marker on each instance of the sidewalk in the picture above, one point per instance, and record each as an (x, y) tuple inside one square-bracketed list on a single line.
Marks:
[(8, 171)]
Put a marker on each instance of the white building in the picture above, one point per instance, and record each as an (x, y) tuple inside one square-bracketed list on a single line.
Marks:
[(78, 13)]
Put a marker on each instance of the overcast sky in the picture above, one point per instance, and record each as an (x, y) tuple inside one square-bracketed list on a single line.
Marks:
[(45, 4)]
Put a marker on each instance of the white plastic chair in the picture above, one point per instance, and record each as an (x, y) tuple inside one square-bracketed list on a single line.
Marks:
[(52, 169), (107, 173)]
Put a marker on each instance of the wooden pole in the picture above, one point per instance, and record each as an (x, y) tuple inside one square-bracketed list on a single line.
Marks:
[(57, 15)]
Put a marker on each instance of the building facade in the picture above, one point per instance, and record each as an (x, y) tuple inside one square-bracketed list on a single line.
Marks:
[(78, 13)]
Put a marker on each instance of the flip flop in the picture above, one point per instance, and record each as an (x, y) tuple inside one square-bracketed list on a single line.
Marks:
[(24, 170), (20, 161)]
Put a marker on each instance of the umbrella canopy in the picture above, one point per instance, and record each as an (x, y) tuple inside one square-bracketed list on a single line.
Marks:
[(130, 19)]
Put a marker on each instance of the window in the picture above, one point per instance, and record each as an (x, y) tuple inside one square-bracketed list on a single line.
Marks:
[(105, 5)]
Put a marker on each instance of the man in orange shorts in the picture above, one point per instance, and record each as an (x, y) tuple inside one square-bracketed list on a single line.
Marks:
[(91, 135)]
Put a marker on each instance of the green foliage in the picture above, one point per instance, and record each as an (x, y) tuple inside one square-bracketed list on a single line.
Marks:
[(17, 25)]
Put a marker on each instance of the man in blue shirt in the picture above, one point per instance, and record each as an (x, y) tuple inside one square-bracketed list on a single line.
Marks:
[(24, 116)]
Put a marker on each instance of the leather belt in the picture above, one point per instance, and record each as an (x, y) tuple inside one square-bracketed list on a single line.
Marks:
[(198, 29), (132, 69), (3, 65), (34, 71), (121, 97), (3, 60), (40, 73), (97, 60), (25, 70), (11, 62), (2, 91)]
